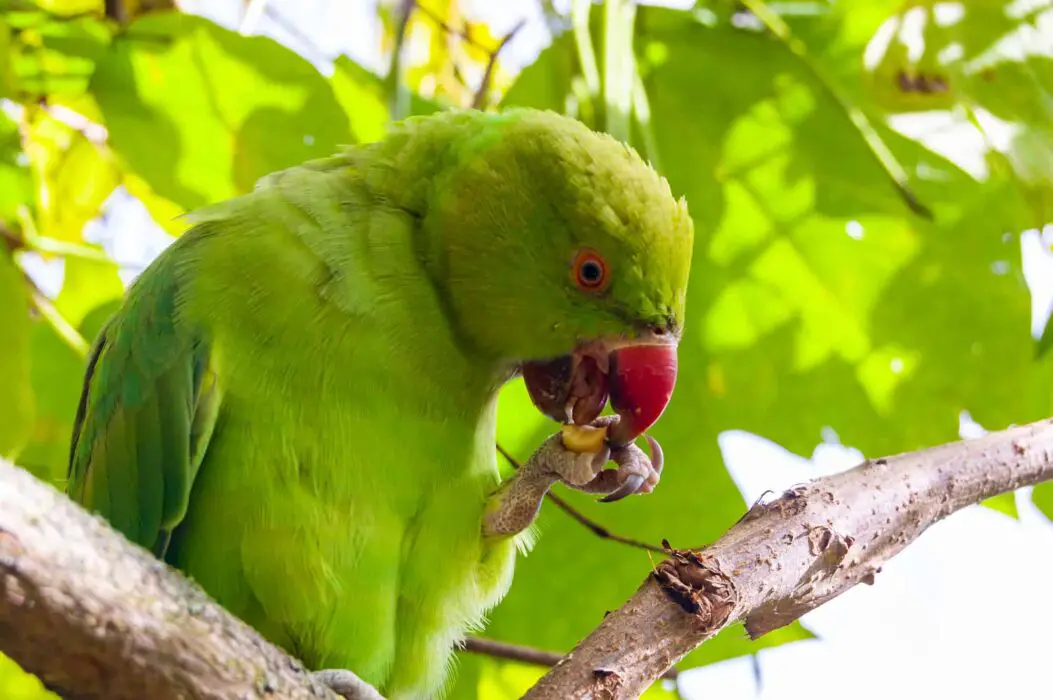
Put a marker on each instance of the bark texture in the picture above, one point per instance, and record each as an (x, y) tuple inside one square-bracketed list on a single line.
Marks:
[(791, 555), (95, 616)]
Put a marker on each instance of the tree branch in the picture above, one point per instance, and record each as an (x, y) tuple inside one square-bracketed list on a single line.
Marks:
[(791, 555), (96, 617), (398, 95), (479, 99), (115, 10)]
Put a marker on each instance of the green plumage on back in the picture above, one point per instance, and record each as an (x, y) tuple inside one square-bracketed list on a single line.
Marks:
[(154, 408), (296, 402)]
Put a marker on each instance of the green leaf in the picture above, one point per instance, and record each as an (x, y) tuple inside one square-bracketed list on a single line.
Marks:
[(363, 95), (984, 65), (8, 79), (16, 184), (70, 7), (87, 285), (1045, 342), (17, 407), (55, 56), (165, 213), (1003, 503), (1042, 497), (546, 84), (200, 113), (74, 177), (56, 373), (16, 684)]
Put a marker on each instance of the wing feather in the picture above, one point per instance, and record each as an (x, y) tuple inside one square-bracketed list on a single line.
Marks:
[(147, 411)]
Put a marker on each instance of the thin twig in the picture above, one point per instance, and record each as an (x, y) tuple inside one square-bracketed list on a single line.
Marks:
[(525, 654), (12, 240), (65, 330), (479, 100), (596, 529), (397, 94), (115, 10), (463, 34)]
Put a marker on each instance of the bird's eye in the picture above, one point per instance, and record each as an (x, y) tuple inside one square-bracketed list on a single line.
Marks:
[(589, 270)]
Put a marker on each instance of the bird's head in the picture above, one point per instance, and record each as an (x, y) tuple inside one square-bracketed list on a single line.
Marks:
[(566, 256)]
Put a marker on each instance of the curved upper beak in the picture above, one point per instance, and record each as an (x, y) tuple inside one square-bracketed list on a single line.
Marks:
[(637, 376)]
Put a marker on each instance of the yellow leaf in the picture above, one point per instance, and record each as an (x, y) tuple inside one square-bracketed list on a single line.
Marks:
[(72, 175)]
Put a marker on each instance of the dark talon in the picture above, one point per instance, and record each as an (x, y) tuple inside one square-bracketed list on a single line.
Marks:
[(347, 684), (628, 488)]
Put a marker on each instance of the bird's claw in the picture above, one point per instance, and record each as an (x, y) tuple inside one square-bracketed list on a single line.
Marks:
[(636, 472), (347, 684), (578, 459)]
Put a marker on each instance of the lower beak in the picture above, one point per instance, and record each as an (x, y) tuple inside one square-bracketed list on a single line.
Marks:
[(638, 379)]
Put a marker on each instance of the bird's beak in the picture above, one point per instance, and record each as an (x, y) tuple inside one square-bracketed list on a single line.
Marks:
[(638, 377)]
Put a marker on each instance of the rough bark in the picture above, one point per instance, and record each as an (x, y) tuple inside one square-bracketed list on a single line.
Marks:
[(791, 555), (96, 617)]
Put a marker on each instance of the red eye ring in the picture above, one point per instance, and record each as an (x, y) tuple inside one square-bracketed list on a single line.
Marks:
[(589, 271)]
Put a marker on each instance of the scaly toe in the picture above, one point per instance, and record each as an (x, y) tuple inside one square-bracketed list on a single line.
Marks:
[(347, 684)]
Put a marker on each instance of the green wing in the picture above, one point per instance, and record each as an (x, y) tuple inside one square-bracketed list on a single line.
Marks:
[(146, 414)]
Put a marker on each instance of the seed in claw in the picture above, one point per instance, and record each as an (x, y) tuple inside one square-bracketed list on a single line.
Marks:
[(583, 438)]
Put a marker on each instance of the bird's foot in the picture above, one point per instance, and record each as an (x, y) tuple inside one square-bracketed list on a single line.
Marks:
[(587, 445), (347, 684), (576, 456)]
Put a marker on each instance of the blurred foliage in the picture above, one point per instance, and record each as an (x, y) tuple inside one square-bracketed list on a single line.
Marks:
[(802, 134)]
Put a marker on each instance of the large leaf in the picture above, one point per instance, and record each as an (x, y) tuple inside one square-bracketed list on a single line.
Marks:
[(87, 285), (200, 113), (546, 84), (54, 57), (8, 80), (16, 408), (73, 176), (16, 184), (56, 374), (819, 299), (981, 73), (363, 96), (16, 684), (1042, 496)]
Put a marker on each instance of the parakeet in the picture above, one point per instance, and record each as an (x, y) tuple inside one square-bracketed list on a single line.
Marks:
[(296, 402)]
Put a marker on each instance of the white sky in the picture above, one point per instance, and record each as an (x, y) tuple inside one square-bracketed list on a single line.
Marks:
[(928, 628)]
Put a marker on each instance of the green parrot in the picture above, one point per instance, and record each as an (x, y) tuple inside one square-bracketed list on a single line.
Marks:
[(296, 403)]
